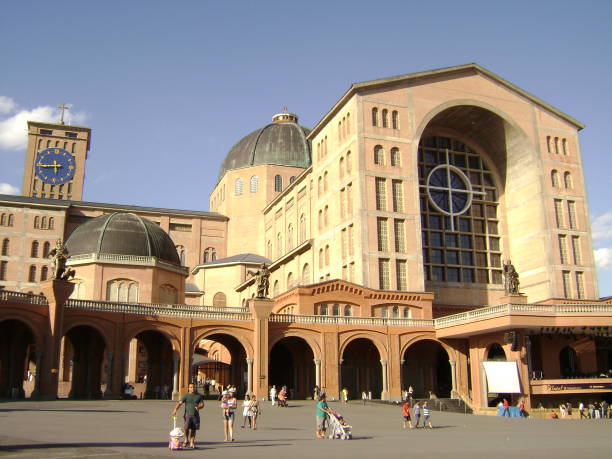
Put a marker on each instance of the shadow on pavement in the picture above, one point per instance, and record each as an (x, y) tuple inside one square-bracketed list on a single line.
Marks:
[(6, 410)]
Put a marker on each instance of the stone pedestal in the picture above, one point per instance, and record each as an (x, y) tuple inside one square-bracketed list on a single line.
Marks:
[(513, 298), (261, 309), (56, 292)]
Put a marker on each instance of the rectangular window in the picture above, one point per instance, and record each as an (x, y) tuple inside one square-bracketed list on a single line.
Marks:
[(563, 249), (398, 196), (402, 274), (383, 274), (567, 291), (381, 194), (72, 135), (576, 250), (559, 213), (351, 274), (343, 242), (571, 213), (3, 269), (351, 248), (46, 132), (349, 199), (580, 284), (400, 236), (383, 236), (180, 227)]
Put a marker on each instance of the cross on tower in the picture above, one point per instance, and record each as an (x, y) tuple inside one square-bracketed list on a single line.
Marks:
[(63, 108)]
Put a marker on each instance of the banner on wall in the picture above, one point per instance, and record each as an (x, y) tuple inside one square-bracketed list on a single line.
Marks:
[(502, 377)]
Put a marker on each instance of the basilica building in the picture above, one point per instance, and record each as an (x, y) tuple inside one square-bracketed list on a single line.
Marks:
[(431, 231)]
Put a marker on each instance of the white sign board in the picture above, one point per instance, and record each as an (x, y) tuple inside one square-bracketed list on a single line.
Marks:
[(502, 377)]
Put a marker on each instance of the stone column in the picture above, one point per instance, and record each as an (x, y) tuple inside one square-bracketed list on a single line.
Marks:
[(340, 387), (175, 377), (109, 377), (37, 375), (453, 365), (317, 363), (385, 388), (260, 308), (483, 387), (401, 379), (249, 362)]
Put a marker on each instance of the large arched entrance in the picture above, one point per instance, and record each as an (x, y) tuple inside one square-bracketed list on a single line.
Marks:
[(292, 365), (17, 359), (87, 364), (427, 370), (361, 370), (225, 364), (150, 367)]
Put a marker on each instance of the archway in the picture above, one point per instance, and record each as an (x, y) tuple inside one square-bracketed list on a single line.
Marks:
[(88, 366), (227, 364), (292, 365), (150, 365), (17, 359), (568, 362), (361, 370), (496, 353), (427, 370)]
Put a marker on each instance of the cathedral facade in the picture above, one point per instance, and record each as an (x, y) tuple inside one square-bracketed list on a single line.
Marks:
[(431, 231)]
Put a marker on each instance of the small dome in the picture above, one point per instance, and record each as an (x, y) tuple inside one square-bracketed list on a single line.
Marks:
[(283, 143), (122, 233)]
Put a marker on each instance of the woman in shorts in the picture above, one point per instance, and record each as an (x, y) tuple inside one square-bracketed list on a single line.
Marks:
[(228, 405)]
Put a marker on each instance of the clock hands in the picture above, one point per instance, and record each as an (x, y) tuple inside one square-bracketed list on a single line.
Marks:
[(55, 165)]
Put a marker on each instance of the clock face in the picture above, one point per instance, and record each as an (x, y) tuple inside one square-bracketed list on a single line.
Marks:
[(55, 166)]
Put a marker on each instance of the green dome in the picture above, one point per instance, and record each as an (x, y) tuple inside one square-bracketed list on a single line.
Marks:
[(283, 143), (122, 233)]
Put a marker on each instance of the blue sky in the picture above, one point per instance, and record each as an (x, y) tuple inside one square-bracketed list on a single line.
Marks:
[(169, 87)]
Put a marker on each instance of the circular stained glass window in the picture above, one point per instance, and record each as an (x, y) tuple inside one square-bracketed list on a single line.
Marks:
[(449, 190)]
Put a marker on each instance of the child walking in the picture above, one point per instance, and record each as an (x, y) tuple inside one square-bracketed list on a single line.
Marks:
[(426, 421), (417, 414), (406, 413)]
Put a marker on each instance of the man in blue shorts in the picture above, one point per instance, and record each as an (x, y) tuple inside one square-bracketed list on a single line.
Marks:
[(193, 403)]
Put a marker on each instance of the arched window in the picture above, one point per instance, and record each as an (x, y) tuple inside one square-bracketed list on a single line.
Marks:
[(276, 288), (48, 143), (65, 145), (379, 155), (320, 220), (341, 167), (3, 269), (564, 146), (326, 255), (220, 300), (321, 258), (279, 245), (302, 228), (289, 237), (374, 116), (72, 150), (348, 162), (46, 249), (395, 119), (339, 131), (325, 182), (557, 145), (496, 352), (11, 218), (348, 310), (3, 220), (5, 247), (210, 254), (568, 362), (306, 274), (44, 272), (567, 178), (325, 219), (79, 289), (395, 157), (548, 144), (336, 310), (43, 223), (34, 250), (36, 222), (278, 183), (554, 178), (213, 256), (123, 290), (254, 184), (238, 187), (168, 294), (39, 144), (269, 249), (323, 310), (385, 118), (407, 313), (320, 186), (32, 274), (395, 312), (348, 123), (289, 281), (292, 179)]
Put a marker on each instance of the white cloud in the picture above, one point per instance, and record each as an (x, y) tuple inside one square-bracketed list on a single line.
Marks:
[(7, 105), (7, 188), (603, 258), (13, 130), (601, 227)]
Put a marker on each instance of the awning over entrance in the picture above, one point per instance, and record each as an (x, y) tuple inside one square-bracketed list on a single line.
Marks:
[(502, 377)]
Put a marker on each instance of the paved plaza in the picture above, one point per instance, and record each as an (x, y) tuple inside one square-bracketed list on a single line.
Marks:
[(140, 428)]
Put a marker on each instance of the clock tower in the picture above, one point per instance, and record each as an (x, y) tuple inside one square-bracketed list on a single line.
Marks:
[(55, 161)]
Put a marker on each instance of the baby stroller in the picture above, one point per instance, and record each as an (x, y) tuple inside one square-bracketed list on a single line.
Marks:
[(177, 437), (338, 427)]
